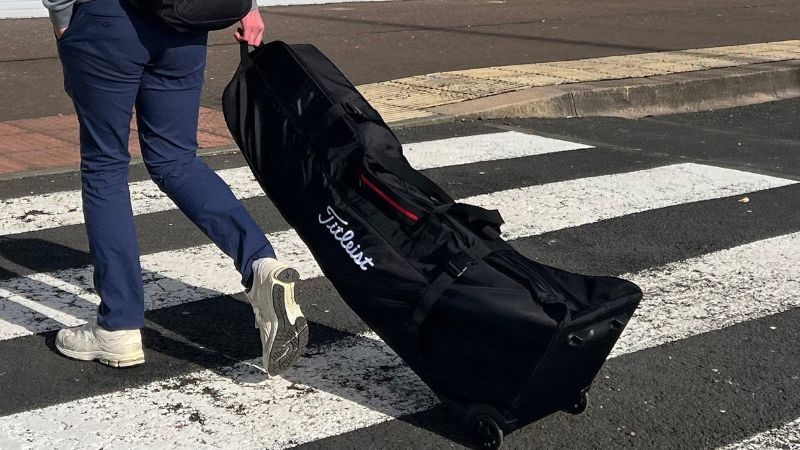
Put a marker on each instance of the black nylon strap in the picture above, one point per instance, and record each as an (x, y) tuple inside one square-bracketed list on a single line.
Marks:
[(448, 274), (476, 214), (429, 298), (244, 54), (473, 216)]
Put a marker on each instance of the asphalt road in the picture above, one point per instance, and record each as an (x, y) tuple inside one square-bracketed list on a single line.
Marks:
[(377, 41), (712, 359)]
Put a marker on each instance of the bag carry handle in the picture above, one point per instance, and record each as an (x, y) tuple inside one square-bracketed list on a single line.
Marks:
[(244, 50), (244, 54)]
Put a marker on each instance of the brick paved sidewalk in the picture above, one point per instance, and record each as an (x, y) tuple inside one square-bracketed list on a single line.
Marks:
[(47, 143)]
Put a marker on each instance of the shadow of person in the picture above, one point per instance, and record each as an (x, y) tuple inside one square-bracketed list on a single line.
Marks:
[(20, 255), (358, 368), (215, 332), (46, 286)]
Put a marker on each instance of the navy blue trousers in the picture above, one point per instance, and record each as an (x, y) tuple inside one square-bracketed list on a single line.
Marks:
[(115, 60)]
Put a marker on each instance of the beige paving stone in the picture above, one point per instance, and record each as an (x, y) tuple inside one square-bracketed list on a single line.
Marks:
[(468, 87), (785, 45), (377, 91), (561, 71), (711, 60), (740, 57), (607, 68), (514, 77), (779, 55), (788, 44), (391, 113), (672, 62), (753, 53), (414, 97)]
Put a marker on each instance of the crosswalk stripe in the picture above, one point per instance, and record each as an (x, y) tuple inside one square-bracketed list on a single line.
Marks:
[(549, 207), (196, 273), (43, 211), (782, 438), (35, 310), (359, 381), (12, 329), (714, 291)]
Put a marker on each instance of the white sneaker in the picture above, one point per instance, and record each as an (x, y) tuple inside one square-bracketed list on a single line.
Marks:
[(283, 328), (90, 342)]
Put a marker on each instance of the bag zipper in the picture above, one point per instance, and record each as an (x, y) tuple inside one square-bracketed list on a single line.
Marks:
[(372, 186), (538, 280)]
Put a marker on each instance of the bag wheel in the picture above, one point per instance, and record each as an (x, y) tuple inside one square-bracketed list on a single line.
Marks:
[(580, 404), (486, 431)]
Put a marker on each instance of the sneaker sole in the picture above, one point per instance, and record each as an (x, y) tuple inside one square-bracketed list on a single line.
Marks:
[(108, 359), (288, 331)]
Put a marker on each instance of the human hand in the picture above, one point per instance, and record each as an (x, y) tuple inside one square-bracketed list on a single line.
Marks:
[(59, 32), (252, 30)]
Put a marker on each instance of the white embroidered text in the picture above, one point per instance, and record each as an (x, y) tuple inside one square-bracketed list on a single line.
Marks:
[(335, 225)]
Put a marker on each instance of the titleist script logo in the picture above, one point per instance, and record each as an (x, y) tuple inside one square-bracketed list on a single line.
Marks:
[(335, 225)]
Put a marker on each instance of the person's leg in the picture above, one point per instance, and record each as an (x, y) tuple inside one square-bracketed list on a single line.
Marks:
[(167, 114), (103, 61)]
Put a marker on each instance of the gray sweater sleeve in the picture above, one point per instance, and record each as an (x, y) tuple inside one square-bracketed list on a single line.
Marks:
[(60, 11)]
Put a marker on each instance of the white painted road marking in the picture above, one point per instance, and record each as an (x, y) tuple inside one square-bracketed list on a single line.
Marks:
[(170, 279), (360, 382), (549, 207), (44, 211), (784, 438)]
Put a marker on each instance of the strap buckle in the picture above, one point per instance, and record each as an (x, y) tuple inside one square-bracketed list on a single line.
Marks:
[(353, 110), (458, 265)]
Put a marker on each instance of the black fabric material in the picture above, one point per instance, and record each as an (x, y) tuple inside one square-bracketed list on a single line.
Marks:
[(448, 274), (480, 323), (195, 16)]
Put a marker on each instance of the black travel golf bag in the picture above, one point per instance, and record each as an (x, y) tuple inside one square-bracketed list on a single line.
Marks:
[(502, 338)]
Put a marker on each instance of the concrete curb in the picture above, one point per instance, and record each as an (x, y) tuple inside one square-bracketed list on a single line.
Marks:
[(638, 97)]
